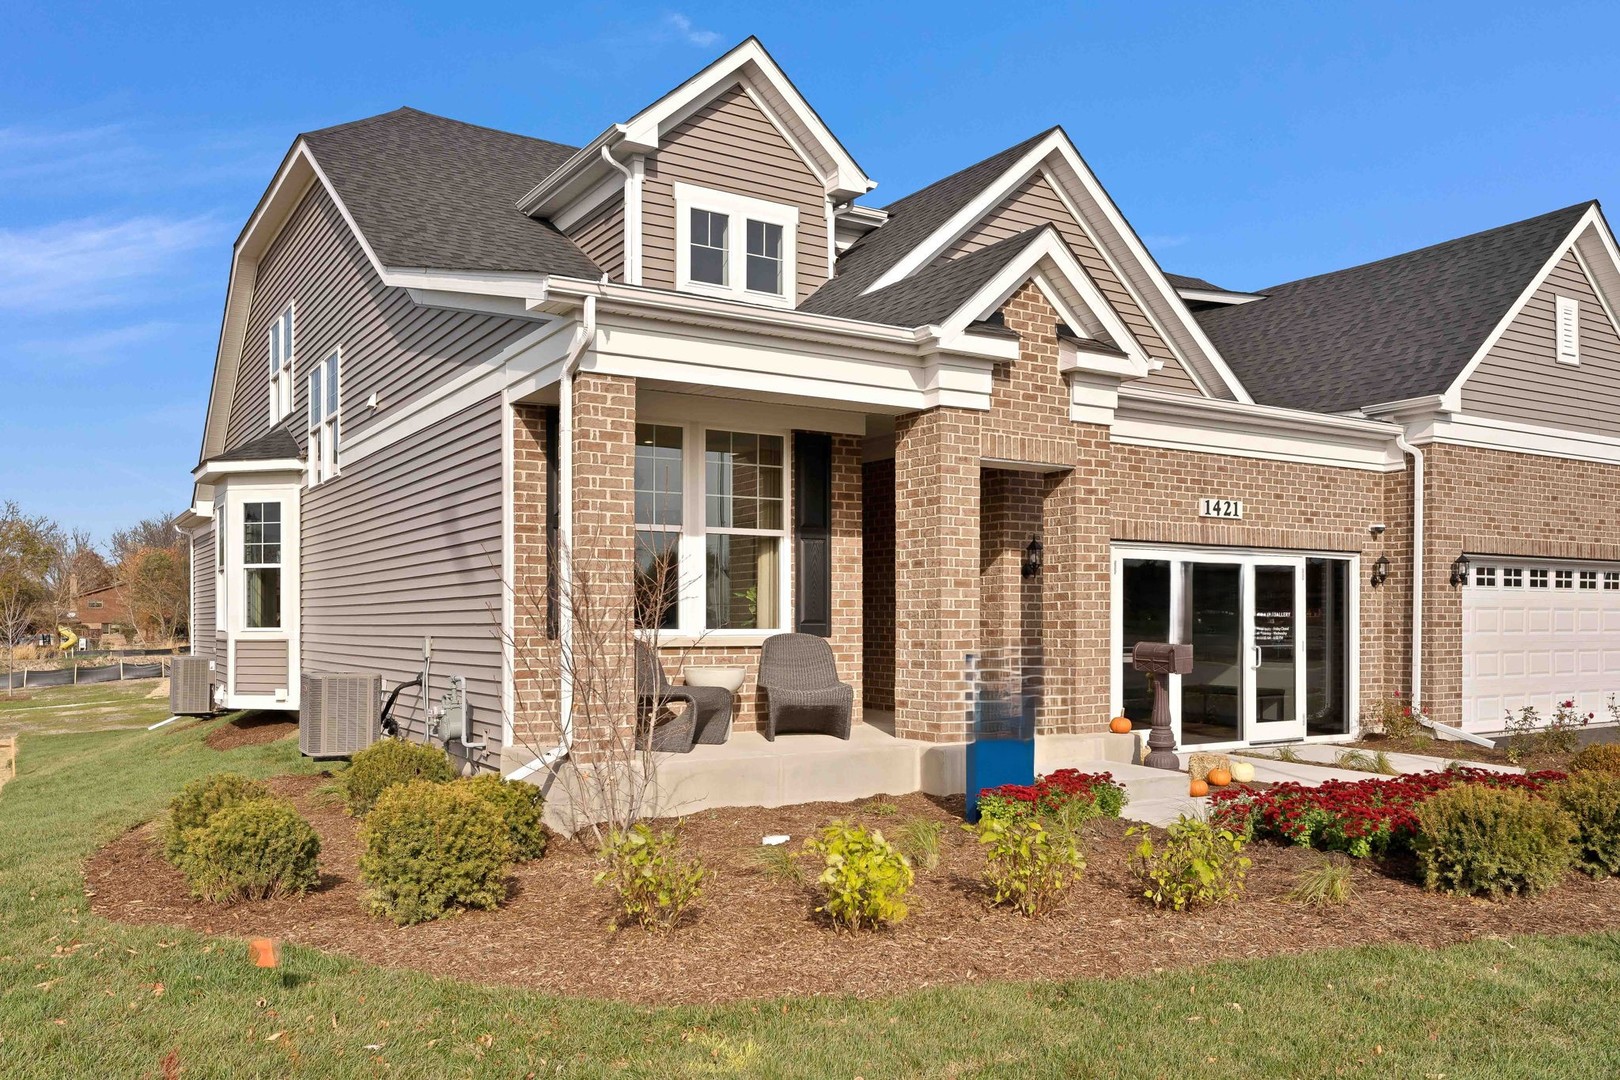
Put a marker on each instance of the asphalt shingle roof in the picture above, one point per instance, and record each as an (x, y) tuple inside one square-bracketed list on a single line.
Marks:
[(1398, 328), (934, 294), (427, 191), (274, 445)]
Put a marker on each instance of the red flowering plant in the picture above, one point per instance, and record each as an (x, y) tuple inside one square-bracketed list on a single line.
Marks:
[(1360, 817), (1065, 795)]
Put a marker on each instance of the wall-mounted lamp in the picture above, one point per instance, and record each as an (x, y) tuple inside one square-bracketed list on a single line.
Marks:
[(1459, 570), (1380, 572), (1033, 558)]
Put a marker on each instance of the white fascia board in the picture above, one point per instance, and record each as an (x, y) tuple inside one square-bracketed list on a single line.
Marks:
[(1204, 425), (210, 472), (1453, 394), (579, 209), (1486, 433), (554, 190), (672, 407), (510, 307), (1406, 410), (1210, 296)]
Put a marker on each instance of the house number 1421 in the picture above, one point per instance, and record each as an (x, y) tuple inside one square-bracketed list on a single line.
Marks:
[(1220, 508)]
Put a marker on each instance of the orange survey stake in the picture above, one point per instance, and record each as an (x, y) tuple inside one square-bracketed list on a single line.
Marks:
[(265, 952)]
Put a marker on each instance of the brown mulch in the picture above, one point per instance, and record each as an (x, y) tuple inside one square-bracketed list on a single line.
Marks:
[(756, 937), (1458, 751), (251, 729)]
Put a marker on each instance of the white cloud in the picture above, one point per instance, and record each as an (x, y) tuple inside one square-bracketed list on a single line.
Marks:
[(1155, 243), (95, 262), (121, 158), (95, 347), (687, 32)]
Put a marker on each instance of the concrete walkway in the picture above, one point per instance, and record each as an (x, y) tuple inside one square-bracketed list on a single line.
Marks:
[(1327, 754)]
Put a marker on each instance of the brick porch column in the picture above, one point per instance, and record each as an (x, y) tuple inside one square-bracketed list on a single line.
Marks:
[(534, 650), (1076, 590), (936, 510)]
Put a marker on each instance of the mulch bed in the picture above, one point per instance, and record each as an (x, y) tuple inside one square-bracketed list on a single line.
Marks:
[(251, 729), (756, 937)]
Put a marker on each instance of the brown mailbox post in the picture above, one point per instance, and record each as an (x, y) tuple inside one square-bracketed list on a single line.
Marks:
[(1161, 660)]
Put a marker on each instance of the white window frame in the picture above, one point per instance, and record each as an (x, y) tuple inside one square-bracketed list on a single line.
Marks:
[(283, 347), (325, 446), (221, 554), (692, 605), (1567, 331), (280, 565), (739, 209)]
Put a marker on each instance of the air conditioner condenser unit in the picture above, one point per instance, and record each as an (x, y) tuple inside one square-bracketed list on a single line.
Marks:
[(339, 714)]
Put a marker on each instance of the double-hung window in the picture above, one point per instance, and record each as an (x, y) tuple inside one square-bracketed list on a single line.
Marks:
[(324, 404), (282, 355), (261, 563), (734, 246), (711, 528)]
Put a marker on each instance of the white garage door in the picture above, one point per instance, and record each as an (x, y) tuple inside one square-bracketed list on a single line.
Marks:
[(1536, 633)]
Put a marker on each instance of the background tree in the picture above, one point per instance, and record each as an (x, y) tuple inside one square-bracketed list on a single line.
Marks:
[(27, 548), (157, 587), (152, 532)]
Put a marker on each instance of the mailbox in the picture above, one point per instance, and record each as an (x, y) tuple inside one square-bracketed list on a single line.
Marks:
[(1158, 658)]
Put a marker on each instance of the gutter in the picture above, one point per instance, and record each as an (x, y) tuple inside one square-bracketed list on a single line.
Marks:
[(584, 334)]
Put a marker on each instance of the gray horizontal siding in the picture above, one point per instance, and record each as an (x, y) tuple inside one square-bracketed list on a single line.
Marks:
[(407, 543), (1521, 379), (202, 593), (730, 145), (261, 666), (1035, 204), (391, 346), (602, 237)]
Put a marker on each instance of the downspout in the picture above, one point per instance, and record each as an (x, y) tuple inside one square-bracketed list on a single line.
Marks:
[(584, 333), (1416, 700)]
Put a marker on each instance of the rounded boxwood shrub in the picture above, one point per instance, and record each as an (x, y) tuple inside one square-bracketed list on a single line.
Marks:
[(1592, 801), (384, 764), (1473, 838), (1599, 757), (199, 801), (864, 878), (431, 848), (253, 850), (520, 806)]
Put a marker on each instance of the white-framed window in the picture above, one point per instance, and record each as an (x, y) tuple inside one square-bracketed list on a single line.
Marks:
[(283, 351), (1569, 330), (261, 565), (1589, 579), (1611, 580), (711, 529), (734, 246), (1512, 577), (1485, 576), (220, 607), (1564, 579), (1538, 579), (325, 402)]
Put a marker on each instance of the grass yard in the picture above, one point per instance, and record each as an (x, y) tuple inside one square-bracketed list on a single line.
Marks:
[(91, 707), (80, 996)]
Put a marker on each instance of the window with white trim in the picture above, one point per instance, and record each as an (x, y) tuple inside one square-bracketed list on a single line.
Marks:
[(1589, 579), (1485, 576), (1569, 330), (324, 403), (711, 529), (282, 354), (261, 563), (1512, 577), (1611, 580), (733, 246), (1564, 579), (1538, 579)]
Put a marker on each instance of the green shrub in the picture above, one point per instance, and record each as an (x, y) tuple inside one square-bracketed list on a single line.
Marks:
[(254, 850), (386, 763), (1591, 799), (1599, 757), (431, 848), (1198, 864), (1028, 867), (779, 864), (1472, 838), (918, 841), (520, 806), (864, 879), (199, 801), (655, 886), (1327, 884)]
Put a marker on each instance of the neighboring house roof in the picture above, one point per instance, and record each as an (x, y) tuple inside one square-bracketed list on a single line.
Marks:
[(428, 191), (1399, 328), (911, 221), (277, 444), (933, 295)]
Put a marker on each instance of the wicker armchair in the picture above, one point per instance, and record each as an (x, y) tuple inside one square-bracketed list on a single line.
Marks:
[(706, 719), (798, 675)]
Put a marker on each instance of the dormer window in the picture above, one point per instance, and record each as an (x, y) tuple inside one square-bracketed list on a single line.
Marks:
[(719, 234)]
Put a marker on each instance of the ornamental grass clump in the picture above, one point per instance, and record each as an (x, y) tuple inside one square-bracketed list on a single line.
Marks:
[(520, 806), (255, 850), (199, 801), (653, 883), (1327, 884), (384, 764), (864, 878), (1591, 799), (1197, 864), (431, 848), (1473, 838), (1027, 867), (1067, 795)]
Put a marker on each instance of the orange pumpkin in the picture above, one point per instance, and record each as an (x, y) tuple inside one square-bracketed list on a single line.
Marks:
[(1219, 777), (1198, 789), (1119, 725)]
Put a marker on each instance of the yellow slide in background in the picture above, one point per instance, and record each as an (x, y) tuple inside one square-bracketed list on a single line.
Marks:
[(69, 638)]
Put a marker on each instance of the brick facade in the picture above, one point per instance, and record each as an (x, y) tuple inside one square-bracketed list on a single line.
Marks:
[(534, 652), (877, 604)]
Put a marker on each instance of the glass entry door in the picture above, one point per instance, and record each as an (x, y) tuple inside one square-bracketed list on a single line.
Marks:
[(1277, 670)]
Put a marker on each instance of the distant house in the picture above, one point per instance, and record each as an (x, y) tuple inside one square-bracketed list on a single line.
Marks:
[(101, 610)]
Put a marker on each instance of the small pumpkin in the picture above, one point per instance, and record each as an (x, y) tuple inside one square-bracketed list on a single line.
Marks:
[(1242, 772), (1120, 725), (1219, 777), (1198, 789)]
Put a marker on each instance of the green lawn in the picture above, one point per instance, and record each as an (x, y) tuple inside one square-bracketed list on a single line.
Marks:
[(91, 707), (82, 997)]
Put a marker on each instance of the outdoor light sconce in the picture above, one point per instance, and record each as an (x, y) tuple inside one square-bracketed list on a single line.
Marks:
[(1380, 572), (1033, 560), (1459, 570)]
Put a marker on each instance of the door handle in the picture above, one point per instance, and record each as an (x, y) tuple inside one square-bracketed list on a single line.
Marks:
[(1259, 657)]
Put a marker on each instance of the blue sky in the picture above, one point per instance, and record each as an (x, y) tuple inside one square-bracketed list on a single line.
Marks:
[(1248, 143)]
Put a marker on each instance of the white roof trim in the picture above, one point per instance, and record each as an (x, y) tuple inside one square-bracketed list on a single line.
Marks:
[(1451, 400), (1218, 296), (210, 472)]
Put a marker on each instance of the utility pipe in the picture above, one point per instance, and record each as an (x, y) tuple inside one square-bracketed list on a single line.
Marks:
[(584, 334)]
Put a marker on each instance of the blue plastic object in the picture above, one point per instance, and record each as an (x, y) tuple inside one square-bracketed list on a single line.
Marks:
[(1003, 747)]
